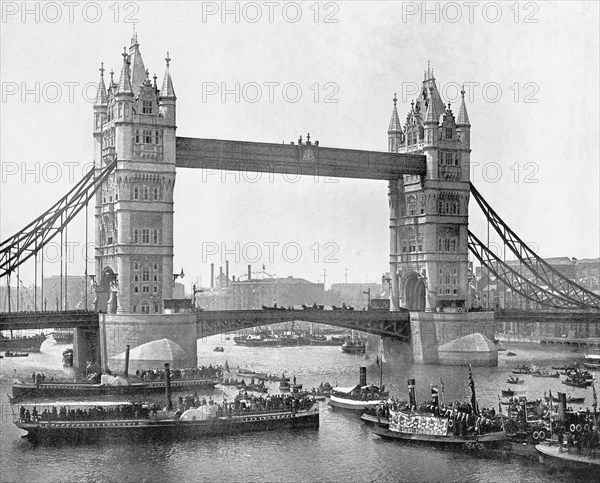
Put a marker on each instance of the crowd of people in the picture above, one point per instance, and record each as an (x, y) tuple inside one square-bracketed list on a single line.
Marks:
[(464, 419), (203, 372), (242, 404), (134, 410), (249, 403)]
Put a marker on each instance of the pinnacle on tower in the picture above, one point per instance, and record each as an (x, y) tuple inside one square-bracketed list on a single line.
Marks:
[(167, 90), (137, 69), (101, 96), (395, 125), (463, 117), (124, 86), (431, 116)]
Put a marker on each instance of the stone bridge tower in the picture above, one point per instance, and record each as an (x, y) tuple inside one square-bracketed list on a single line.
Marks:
[(429, 214), (134, 122)]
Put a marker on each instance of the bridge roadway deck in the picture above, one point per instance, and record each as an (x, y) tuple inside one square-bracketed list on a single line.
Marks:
[(391, 324), (295, 159), (66, 319), (395, 325), (514, 315)]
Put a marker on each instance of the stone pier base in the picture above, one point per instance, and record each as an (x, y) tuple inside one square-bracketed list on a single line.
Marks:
[(86, 349), (118, 330), (430, 330)]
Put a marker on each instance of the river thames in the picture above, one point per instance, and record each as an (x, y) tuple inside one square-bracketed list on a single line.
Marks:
[(342, 449)]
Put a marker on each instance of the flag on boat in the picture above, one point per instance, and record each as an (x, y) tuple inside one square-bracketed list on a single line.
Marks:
[(472, 386), (381, 350)]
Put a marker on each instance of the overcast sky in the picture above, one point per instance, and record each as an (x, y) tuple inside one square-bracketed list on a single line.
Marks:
[(532, 75)]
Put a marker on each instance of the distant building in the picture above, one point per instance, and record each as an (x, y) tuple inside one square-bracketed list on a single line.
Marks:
[(213, 299), (72, 296), (285, 292), (353, 294), (492, 293)]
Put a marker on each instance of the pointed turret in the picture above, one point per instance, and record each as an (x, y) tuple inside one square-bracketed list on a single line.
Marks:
[(463, 117), (463, 125), (167, 91), (101, 96), (395, 120), (167, 99), (124, 86), (137, 69), (394, 130), (432, 115)]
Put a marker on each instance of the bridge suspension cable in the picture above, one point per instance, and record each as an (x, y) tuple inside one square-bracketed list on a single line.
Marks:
[(515, 280), (548, 280), (24, 244)]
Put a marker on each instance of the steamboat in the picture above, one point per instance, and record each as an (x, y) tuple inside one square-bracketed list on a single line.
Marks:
[(358, 397), (27, 343), (108, 386), (93, 422)]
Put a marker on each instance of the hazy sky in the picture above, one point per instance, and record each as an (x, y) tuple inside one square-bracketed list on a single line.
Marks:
[(533, 105)]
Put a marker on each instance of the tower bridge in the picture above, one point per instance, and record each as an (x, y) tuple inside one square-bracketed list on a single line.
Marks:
[(427, 170)]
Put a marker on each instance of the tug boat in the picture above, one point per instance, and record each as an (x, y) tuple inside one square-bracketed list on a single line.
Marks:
[(354, 346), (556, 456), (515, 380), (142, 422), (358, 397), (522, 369), (16, 354), (440, 425), (592, 361), (545, 373)]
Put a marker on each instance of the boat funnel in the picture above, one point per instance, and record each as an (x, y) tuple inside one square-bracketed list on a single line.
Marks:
[(363, 376), (412, 400), (168, 386), (562, 405), (126, 371)]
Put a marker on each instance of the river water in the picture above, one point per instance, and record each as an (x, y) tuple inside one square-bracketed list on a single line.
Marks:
[(342, 449)]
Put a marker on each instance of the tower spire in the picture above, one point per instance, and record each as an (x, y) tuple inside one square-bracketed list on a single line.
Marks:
[(431, 116), (137, 71), (167, 90), (463, 117), (124, 86), (395, 125), (101, 96)]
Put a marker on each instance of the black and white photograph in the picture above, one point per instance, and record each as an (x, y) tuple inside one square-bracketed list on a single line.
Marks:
[(304, 241)]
